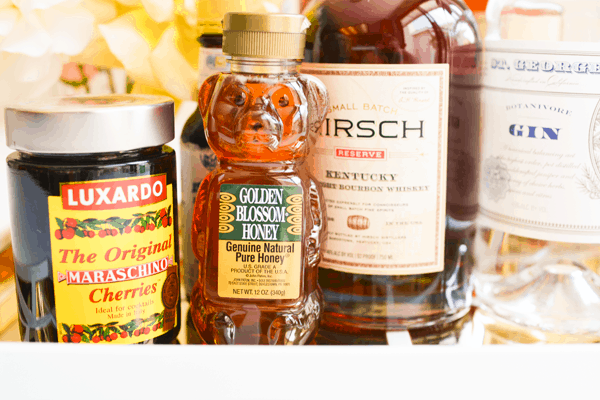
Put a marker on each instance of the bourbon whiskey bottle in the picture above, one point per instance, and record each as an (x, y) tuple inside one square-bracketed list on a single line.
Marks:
[(397, 158), (258, 219)]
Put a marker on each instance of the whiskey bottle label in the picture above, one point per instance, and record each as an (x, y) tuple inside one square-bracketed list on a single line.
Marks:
[(113, 253), (540, 166), (381, 159), (260, 248)]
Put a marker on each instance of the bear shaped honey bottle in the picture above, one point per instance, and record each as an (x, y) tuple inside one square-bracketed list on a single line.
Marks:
[(259, 216)]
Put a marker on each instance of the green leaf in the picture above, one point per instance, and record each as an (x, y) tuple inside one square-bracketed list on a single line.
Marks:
[(144, 223), (124, 327), (117, 225), (112, 323), (95, 227), (79, 233), (112, 219), (127, 222), (88, 331), (95, 325), (128, 326), (90, 220), (85, 339), (137, 215), (60, 223), (66, 328), (136, 221)]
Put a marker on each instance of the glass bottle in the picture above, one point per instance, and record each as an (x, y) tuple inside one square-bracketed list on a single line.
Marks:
[(196, 156), (537, 245), (93, 223), (401, 210), (197, 159), (258, 218)]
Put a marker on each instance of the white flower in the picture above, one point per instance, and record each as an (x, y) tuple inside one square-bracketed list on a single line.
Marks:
[(159, 54), (36, 37), (144, 41)]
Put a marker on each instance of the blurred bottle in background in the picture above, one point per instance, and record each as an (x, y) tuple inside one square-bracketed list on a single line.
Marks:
[(537, 245), (197, 159), (478, 8)]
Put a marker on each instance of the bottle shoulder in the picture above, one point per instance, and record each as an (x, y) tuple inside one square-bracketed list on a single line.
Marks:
[(404, 32), (193, 130)]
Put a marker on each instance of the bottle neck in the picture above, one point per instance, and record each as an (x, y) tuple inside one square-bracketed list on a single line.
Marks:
[(248, 65), (211, 41)]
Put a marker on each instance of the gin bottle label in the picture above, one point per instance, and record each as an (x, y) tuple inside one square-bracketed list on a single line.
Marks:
[(381, 158), (540, 170)]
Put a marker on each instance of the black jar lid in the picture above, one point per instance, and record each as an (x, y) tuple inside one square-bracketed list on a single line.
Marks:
[(90, 124)]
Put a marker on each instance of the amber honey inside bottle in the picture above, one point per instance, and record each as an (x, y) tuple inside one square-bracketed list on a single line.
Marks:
[(258, 219)]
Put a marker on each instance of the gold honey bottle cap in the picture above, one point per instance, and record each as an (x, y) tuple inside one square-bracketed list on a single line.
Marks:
[(275, 36)]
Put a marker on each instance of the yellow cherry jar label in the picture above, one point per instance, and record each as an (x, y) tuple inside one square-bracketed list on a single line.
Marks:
[(113, 260)]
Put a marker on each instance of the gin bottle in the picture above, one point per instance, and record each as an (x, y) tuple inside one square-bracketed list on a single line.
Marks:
[(537, 247)]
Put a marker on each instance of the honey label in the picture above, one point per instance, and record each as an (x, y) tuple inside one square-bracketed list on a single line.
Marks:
[(381, 158), (260, 231), (113, 260)]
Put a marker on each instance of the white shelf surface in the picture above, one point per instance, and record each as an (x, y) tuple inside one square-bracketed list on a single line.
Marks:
[(55, 371)]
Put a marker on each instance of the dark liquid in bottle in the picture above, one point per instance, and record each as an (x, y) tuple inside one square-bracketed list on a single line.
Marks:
[(32, 179), (409, 32), (197, 160)]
